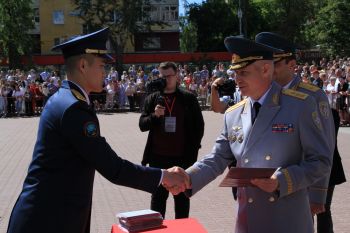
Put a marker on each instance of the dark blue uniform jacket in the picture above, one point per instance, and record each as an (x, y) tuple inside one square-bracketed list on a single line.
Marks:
[(57, 191)]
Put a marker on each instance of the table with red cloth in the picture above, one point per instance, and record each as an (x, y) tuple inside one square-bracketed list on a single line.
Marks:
[(184, 225)]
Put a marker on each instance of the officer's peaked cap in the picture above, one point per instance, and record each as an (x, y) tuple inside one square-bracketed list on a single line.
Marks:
[(93, 43), (274, 40), (245, 51)]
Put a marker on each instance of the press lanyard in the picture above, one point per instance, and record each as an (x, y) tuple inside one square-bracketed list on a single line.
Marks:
[(172, 105)]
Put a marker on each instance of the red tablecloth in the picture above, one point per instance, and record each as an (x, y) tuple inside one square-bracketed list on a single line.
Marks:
[(185, 225)]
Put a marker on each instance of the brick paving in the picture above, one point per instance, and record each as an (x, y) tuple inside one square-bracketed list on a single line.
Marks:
[(213, 206)]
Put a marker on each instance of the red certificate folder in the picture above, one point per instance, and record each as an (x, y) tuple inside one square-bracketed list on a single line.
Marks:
[(241, 176), (184, 225)]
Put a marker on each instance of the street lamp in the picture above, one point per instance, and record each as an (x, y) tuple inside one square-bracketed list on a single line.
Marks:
[(240, 14)]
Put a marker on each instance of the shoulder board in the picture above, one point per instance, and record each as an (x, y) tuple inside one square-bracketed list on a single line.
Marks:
[(308, 86), (236, 106), (78, 95), (296, 94)]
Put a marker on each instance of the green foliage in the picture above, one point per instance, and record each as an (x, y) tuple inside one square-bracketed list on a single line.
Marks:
[(305, 22), (16, 19), (215, 21), (330, 28), (121, 16), (188, 37), (287, 17)]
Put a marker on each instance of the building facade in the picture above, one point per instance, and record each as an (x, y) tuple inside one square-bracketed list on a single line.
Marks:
[(59, 21)]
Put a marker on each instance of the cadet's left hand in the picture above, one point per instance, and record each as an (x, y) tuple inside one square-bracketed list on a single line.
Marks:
[(268, 185), (317, 208)]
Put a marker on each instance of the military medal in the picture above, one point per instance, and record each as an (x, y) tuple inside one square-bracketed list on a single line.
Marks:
[(282, 128)]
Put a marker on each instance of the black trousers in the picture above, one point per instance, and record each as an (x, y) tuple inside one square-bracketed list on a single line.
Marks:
[(324, 220), (131, 100), (159, 198)]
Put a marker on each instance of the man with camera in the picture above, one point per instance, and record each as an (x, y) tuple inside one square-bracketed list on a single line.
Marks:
[(222, 93), (175, 123)]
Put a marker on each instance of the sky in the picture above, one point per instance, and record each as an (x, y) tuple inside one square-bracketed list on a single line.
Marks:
[(181, 10)]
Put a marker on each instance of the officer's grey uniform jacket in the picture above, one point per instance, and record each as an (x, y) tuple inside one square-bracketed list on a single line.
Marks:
[(318, 191), (288, 134)]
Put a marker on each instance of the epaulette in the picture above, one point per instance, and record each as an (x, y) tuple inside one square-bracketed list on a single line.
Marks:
[(308, 86), (78, 95), (296, 94), (236, 106)]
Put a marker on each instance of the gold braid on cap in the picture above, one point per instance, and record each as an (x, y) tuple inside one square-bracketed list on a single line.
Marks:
[(96, 51), (280, 56), (237, 59)]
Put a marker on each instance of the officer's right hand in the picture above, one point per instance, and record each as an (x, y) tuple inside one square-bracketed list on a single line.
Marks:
[(159, 110), (218, 82)]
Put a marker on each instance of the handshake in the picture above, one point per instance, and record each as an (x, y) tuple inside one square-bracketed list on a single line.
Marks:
[(176, 180)]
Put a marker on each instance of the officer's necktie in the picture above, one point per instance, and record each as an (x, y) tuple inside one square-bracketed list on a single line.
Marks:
[(256, 106)]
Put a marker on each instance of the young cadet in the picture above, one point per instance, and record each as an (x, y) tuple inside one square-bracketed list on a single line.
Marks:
[(57, 191)]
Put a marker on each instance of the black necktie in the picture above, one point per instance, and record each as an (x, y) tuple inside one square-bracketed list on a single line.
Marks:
[(256, 106)]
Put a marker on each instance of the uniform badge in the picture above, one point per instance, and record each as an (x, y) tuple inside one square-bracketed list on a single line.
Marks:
[(236, 128), (240, 138), (282, 128), (317, 120), (232, 138), (90, 129), (324, 109)]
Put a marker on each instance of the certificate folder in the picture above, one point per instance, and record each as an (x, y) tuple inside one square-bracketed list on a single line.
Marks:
[(241, 176)]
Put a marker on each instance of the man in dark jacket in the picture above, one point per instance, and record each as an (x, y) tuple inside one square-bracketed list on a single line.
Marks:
[(324, 220), (57, 191), (176, 126)]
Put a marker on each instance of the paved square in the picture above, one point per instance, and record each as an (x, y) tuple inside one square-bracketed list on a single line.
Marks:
[(213, 206)]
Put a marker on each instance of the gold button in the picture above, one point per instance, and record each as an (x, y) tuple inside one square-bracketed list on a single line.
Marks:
[(268, 157), (246, 160), (271, 199), (250, 200)]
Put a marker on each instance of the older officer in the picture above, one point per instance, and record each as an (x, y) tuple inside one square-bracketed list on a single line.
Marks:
[(284, 132), (57, 192), (285, 63)]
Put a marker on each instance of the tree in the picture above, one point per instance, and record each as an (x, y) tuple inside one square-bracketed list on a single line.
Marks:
[(217, 19), (188, 36), (330, 28), (123, 17), (212, 26), (287, 17), (15, 22)]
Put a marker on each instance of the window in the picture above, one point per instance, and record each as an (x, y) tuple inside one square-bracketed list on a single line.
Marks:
[(151, 12), (151, 43), (85, 29), (58, 17), (154, 13), (170, 13), (56, 41), (36, 15)]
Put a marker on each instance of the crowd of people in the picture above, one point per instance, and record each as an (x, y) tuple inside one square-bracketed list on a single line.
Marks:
[(25, 93)]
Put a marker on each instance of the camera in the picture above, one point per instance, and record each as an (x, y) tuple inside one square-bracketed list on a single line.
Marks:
[(227, 88), (156, 85)]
